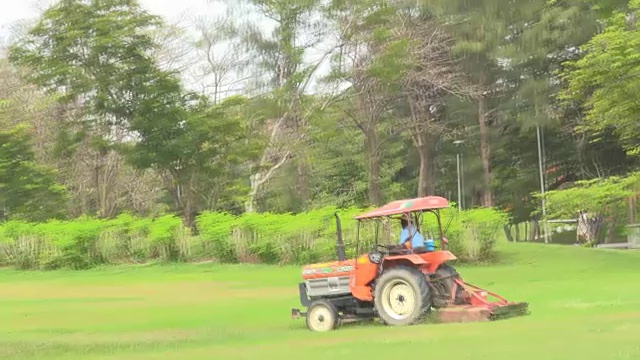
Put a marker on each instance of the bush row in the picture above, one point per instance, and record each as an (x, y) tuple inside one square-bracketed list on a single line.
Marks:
[(250, 238)]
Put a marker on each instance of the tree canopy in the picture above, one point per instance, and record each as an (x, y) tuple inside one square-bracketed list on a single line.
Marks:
[(329, 103)]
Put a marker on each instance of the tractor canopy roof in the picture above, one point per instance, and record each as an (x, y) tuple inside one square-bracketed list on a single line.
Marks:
[(406, 206)]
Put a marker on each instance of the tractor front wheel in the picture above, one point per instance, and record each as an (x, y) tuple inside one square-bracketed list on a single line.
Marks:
[(322, 316), (402, 296)]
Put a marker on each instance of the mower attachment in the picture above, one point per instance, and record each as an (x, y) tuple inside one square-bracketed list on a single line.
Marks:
[(476, 306)]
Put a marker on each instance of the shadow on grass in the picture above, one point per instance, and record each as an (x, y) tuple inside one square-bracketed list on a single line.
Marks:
[(429, 319)]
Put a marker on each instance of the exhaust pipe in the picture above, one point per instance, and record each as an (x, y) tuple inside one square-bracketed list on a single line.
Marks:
[(342, 255)]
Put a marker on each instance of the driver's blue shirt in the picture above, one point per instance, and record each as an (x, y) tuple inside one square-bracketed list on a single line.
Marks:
[(417, 239)]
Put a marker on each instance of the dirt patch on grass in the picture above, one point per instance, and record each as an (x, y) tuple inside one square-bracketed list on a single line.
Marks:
[(582, 304), (152, 336), (623, 316), (175, 291)]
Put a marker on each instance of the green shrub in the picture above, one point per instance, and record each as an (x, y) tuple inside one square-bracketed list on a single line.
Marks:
[(165, 236), (607, 197), (481, 230), (260, 238), (216, 233), (471, 234)]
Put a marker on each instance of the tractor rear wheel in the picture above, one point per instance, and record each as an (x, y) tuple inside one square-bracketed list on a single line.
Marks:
[(446, 276), (322, 316), (402, 296)]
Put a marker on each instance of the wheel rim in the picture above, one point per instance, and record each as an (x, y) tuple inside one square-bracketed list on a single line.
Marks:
[(321, 318), (398, 299)]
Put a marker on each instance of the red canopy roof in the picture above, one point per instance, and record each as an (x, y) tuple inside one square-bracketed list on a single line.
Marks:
[(406, 206)]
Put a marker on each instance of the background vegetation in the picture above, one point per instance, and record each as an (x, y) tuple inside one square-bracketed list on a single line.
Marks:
[(127, 138), (252, 238)]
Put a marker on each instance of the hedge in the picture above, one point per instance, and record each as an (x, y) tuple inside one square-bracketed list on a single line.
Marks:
[(250, 238)]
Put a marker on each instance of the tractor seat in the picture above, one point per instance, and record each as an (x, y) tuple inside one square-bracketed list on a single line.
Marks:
[(428, 246), (420, 250), (416, 250)]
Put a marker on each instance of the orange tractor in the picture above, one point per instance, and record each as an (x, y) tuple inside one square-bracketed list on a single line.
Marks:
[(398, 284)]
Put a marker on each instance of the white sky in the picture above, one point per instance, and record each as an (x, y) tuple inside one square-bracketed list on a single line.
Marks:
[(12, 11)]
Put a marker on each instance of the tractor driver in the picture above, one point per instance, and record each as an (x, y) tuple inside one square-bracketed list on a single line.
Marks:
[(410, 234)]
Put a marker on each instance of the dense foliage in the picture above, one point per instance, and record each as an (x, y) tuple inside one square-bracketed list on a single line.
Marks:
[(107, 110), (607, 200), (255, 238)]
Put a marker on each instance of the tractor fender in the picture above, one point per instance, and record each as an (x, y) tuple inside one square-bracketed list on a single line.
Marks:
[(413, 258)]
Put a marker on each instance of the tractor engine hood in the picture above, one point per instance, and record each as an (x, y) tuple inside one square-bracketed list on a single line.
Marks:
[(328, 269)]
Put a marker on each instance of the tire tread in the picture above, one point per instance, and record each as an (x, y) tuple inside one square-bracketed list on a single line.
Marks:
[(412, 275), (330, 306)]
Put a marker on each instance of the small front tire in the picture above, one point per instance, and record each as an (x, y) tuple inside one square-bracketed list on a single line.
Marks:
[(322, 316)]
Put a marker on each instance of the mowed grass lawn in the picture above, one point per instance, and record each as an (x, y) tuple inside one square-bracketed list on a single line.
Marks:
[(585, 305)]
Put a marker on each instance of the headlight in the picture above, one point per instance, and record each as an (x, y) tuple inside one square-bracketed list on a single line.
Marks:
[(375, 257)]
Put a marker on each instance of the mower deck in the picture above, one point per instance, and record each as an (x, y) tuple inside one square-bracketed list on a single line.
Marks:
[(477, 306), (471, 313)]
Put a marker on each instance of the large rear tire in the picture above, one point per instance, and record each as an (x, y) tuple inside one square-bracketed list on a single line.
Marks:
[(322, 316), (447, 275), (402, 296)]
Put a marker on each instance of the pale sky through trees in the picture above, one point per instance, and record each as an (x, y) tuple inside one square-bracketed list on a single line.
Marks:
[(14, 11)]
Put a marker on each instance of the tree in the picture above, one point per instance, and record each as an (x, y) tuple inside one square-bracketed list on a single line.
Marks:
[(601, 198), (28, 190), (194, 145), (432, 77), (223, 61), (369, 78), (541, 36), (284, 79), (481, 29), (89, 54), (606, 79), (99, 54), (339, 174)]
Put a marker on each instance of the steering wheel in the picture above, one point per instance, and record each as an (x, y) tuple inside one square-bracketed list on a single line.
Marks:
[(390, 248), (381, 247)]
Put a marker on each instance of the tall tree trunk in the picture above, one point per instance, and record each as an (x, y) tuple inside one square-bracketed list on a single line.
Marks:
[(302, 164), (303, 181), (259, 178), (485, 153), (251, 202), (611, 230), (107, 178), (265, 169), (423, 174), (182, 195), (534, 232), (419, 123), (507, 232), (189, 215), (371, 139), (426, 174)]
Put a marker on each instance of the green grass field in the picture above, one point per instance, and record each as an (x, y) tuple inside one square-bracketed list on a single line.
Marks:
[(585, 304)]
